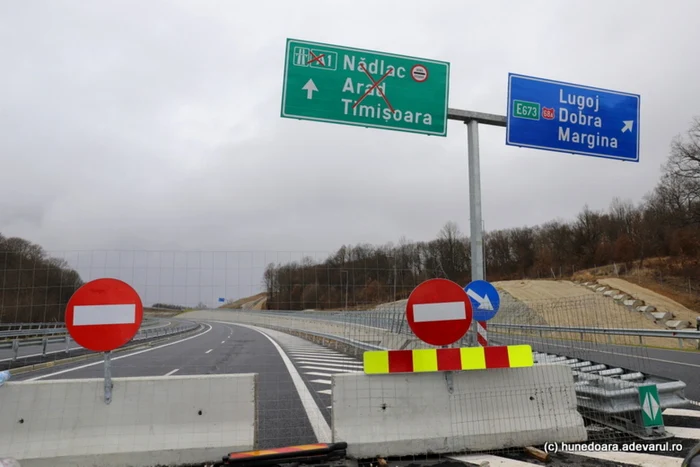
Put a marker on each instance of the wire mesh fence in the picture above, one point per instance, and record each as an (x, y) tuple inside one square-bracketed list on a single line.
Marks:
[(302, 322)]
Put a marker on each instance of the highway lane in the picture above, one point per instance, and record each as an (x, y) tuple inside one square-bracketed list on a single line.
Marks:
[(219, 349)]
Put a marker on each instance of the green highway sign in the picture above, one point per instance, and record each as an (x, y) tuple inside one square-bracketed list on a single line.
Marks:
[(335, 84), (651, 406)]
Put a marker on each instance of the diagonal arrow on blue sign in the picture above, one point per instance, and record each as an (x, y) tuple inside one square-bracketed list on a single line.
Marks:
[(484, 298)]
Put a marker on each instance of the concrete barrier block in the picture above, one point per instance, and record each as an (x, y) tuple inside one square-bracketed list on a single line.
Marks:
[(593, 286), (415, 414), (611, 293), (633, 303), (677, 324), (169, 420), (601, 289), (646, 309), (621, 297), (661, 315)]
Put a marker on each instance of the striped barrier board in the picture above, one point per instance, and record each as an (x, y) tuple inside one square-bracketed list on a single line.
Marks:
[(377, 362), (273, 451)]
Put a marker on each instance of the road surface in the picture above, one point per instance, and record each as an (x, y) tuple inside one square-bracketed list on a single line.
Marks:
[(283, 419)]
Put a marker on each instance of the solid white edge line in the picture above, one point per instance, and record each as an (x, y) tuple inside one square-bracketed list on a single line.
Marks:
[(313, 412), (172, 372), (100, 362)]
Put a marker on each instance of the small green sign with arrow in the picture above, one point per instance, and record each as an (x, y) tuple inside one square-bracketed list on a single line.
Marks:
[(651, 406)]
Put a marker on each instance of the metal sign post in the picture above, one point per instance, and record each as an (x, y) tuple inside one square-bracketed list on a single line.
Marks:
[(108, 377), (472, 120)]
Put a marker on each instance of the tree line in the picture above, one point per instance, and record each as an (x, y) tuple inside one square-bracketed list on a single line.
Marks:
[(665, 223), (34, 287)]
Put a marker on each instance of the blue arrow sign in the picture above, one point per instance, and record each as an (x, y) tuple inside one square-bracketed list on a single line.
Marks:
[(222, 299), (484, 298), (565, 117)]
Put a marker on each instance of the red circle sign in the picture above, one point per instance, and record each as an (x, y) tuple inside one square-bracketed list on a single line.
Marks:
[(419, 73), (439, 312), (104, 314)]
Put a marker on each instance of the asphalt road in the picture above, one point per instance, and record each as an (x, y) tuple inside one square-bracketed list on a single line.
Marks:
[(230, 348), (218, 349), (33, 354)]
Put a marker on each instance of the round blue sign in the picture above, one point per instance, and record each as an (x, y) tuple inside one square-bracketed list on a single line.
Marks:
[(484, 298)]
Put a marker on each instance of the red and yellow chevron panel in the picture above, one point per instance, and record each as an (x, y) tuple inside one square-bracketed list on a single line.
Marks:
[(377, 362), (285, 450)]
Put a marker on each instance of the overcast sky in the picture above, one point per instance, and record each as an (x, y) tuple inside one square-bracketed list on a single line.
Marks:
[(130, 125)]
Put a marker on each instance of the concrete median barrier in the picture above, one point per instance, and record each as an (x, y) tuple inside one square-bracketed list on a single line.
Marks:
[(415, 414), (150, 421)]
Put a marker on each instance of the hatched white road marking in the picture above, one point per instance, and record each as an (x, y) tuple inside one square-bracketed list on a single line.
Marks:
[(172, 372), (321, 381), (326, 391), (314, 373), (330, 364), (323, 368)]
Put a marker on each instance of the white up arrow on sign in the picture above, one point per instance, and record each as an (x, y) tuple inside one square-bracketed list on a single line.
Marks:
[(484, 302), (310, 87)]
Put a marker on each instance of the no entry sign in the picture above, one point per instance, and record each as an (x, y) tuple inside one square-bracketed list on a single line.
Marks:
[(104, 314), (439, 312)]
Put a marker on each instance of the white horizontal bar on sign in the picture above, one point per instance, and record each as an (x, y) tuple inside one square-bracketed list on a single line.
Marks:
[(447, 311), (90, 315)]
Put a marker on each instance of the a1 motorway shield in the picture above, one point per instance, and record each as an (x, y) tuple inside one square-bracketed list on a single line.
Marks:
[(335, 84), (565, 117)]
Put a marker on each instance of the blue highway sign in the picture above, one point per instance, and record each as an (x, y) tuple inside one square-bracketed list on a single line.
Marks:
[(565, 117), (484, 298)]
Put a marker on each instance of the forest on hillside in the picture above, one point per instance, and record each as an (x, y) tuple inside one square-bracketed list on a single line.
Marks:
[(34, 287), (665, 223)]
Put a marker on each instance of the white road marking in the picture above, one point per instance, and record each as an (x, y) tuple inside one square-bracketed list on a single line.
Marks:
[(491, 461), (313, 412), (208, 350), (683, 412), (683, 432), (330, 359), (313, 373), (321, 381), (633, 458), (325, 391), (172, 372), (330, 364), (100, 362), (340, 370), (329, 407), (223, 342)]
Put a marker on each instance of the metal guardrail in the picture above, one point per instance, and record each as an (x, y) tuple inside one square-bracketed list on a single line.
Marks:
[(668, 333), (143, 334), (608, 394), (395, 321)]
